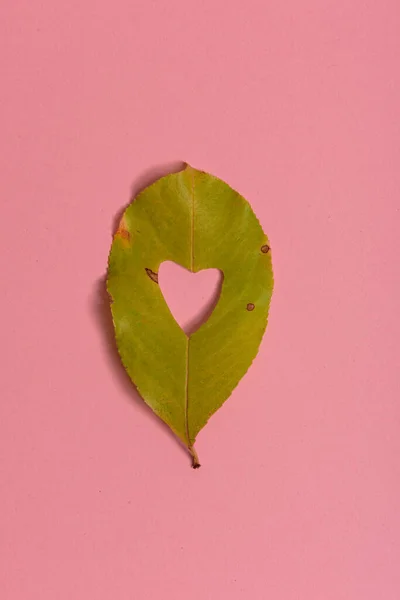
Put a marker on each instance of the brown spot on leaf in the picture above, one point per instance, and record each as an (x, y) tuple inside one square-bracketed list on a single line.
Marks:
[(250, 306), (122, 230), (152, 275), (265, 248)]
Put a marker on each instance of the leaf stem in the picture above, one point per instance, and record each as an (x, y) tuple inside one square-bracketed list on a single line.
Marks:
[(195, 458)]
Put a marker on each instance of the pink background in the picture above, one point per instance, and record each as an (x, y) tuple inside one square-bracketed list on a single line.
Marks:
[(296, 105)]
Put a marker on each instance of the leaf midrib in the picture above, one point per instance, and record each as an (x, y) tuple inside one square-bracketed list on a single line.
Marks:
[(188, 336)]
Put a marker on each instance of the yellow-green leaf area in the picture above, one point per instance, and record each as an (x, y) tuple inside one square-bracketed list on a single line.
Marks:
[(199, 222)]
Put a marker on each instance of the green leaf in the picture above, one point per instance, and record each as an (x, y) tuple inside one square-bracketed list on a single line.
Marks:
[(199, 222)]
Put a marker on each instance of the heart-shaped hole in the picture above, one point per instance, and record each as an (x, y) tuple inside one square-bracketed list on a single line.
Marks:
[(191, 297)]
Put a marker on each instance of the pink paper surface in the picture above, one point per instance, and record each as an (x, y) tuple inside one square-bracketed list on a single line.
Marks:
[(296, 105)]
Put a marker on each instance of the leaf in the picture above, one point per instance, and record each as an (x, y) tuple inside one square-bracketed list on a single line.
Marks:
[(199, 222)]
